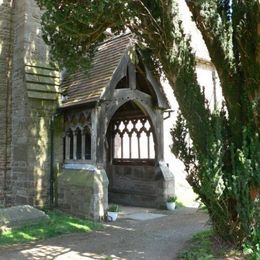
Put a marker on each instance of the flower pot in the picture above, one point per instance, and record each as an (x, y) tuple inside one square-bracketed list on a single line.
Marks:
[(112, 216), (170, 205)]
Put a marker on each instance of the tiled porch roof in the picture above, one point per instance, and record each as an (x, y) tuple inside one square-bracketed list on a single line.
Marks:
[(88, 87)]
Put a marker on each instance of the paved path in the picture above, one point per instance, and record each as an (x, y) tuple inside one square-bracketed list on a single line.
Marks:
[(160, 238)]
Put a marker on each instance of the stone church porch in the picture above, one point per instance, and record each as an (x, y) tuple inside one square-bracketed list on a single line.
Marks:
[(112, 137)]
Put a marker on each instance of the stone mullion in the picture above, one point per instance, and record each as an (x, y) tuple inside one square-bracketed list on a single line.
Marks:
[(130, 146), (138, 142), (122, 146)]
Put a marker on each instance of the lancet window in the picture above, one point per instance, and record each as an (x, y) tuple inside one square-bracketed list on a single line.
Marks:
[(77, 139), (133, 139)]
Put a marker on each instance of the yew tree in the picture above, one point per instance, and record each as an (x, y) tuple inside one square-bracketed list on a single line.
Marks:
[(223, 160)]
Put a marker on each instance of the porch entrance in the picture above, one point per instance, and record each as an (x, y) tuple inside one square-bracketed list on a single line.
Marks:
[(131, 167)]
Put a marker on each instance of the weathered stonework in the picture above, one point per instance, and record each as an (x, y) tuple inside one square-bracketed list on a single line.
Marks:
[(83, 192), (19, 216), (5, 97), (29, 97)]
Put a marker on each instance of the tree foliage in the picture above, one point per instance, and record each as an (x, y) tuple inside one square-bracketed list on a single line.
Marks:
[(223, 159)]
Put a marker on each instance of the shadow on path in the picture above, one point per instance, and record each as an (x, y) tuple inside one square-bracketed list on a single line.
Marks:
[(158, 238)]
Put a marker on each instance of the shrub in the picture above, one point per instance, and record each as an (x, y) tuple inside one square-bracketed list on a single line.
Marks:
[(113, 208), (171, 199)]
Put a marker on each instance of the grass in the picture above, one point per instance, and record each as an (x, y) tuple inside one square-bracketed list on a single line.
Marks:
[(206, 246), (200, 247), (58, 224)]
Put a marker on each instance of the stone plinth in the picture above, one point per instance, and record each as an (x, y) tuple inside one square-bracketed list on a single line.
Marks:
[(83, 192)]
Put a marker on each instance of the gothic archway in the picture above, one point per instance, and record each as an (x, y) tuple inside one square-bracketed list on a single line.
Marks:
[(131, 157)]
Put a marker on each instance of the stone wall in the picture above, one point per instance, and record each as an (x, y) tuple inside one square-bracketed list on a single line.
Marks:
[(34, 100), (5, 97), (143, 185), (83, 192), (134, 185)]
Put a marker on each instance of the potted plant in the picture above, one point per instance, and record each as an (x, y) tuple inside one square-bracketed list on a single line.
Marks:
[(171, 202), (112, 212)]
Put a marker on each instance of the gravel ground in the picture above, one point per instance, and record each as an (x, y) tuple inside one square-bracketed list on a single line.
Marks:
[(160, 238)]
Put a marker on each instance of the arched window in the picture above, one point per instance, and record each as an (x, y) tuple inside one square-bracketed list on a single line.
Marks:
[(131, 136), (133, 139), (77, 141)]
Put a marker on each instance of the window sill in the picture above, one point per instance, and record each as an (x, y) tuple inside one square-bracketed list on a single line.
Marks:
[(79, 166)]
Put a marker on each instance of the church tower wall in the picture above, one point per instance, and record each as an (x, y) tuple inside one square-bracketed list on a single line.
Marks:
[(5, 97), (34, 95)]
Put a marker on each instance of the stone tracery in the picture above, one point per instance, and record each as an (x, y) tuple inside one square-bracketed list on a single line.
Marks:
[(77, 136)]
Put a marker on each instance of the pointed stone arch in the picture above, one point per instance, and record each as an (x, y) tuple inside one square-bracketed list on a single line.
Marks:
[(131, 120)]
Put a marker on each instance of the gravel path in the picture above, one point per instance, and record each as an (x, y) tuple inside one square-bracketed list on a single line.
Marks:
[(160, 238)]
